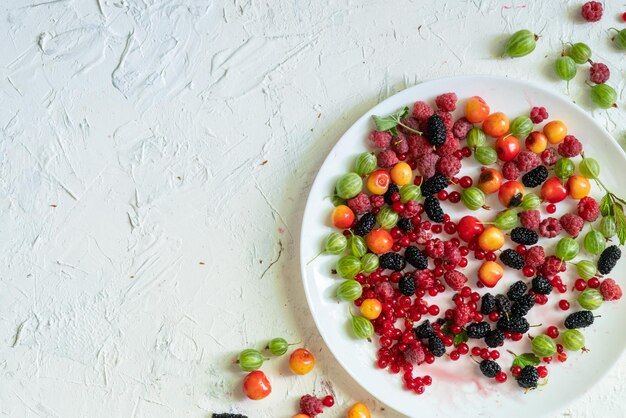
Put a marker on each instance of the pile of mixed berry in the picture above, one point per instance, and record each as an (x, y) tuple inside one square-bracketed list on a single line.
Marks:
[(400, 249)]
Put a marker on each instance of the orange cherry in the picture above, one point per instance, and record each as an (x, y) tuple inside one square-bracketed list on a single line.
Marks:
[(489, 180), (476, 110), (536, 142), (507, 147), (379, 241), (401, 173), (301, 361), (490, 273), (256, 386), (371, 308), (378, 182), (579, 187), (491, 239), (342, 217), (555, 131), (496, 124), (358, 410), (511, 193)]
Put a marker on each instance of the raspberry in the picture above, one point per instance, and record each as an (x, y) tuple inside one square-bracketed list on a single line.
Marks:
[(422, 237), (426, 164), (418, 146), (380, 140), (422, 111), (449, 146), (610, 290), (449, 166), (411, 208), (549, 156), (377, 201), (400, 145), (530, 219), (415, 354), (446, 102), (462, 314), (599, 73), (311, 406), (591, 11), (588, 209), (527, 160), (572, 224), (451, 253), (425, 279), (549, 227), (552, 267), (570, 147), (455, 279), (538, 114), (360, 204), (387, 158), (385, 290), (434, 248), (510, 170), (535, 256), (447, 119), (461, 127)]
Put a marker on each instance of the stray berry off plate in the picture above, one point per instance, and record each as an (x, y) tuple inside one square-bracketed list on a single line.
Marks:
[(458, 385)]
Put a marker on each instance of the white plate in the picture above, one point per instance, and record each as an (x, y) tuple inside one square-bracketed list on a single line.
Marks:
[(458, 386)]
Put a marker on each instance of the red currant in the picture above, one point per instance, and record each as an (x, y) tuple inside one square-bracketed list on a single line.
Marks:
[(462, 348), (454, 355), (442, 195), (397, 207), (437, 228), (494, 316), (328, 401), (427, 380), (433, 310), (476, 351), (542, 371), (454, 197), (564, 305), (516, 370), (552, 331), (528, 271), (551, 208), (593, 283), (501, 377), (580, 285), (521, 249), (466, 181)]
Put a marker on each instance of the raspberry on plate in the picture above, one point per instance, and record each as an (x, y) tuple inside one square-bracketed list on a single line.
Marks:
[(572, 224), (510, 171), (446, 102), (530, 218), (380, 140), (360, 204), (449, 166), (461, 127), (387, 158), (455, 279), (527, 160), (535, 256), (447, 148), (588, 209), (422, 111), (426, 164), (570, 147), (549, 227), (538, 114)]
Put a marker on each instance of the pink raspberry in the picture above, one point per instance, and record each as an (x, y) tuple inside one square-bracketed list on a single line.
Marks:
[(400, 145), (552, 267), (461, 127), (549, 156), (572, 224), (538, 114), (588, 209), (385, 290), (377, 201), (423, 236), (360, 204), (311, 406), (387, 158), (380, 140), (434, 248), (455, 279), (418, 146), (412, 123), (446, 102), (451, 253), (527, 160), (426, 164), (535, 256), (530, 218), (510, 170), (462, 313), (599, 73), (449, 166), (549, 227), (411, 208), (591, 11), (422, 111), (610, 290), (570, 147), (447, 148), (424, 279), (415, 354), (447, 118)]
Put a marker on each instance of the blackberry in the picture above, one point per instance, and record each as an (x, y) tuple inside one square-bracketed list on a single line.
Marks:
[(436, 346), (392, 261), (541, 285), (535, 177), (436, 130), (405, 224), (503, 304), (477, 329), (487, 304), (365, 224), (416, 258), (489, 368), (581, 319), (434, 184), (523, 305), (393, 188), (424, 330), (517, 290), (512, 258), (433, 209), (525, 236), (513, 324), (407, 285), (608, 259), (229, 416), (528, 377), (494, 338)]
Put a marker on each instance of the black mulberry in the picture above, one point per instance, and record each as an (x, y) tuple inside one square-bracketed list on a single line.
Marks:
[(523, 305), (514, 324), (416, 258), (528, 377), (365, 224), (433, 209), (535, 177), (503, 304), (424, 330), (608, 259), (494, 338), (512, 258), (581, 319), (517, 290), (487, 304), (525, 236), (489, 368), (477, 329), (434, 184), (390, 191), (405, 224), (407, 285), (436, 130), (436, 346), (392, 261), (541, 285)]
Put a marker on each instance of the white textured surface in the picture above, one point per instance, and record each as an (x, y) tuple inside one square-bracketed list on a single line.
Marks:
[(144, 240)]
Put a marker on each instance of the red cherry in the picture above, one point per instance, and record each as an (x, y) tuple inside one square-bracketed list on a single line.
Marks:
[(469, 227), (507, 147), (553, 190)]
